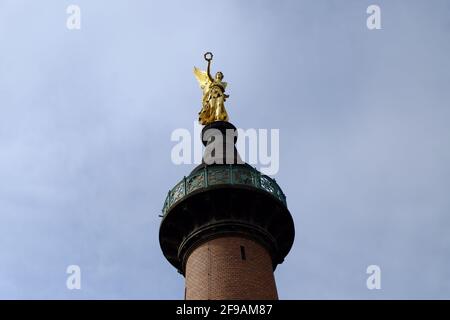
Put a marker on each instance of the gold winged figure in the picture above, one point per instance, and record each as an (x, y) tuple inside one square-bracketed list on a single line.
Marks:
[(213, 102)]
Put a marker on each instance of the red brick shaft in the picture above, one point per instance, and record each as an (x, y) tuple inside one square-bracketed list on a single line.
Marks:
[(232, 268)]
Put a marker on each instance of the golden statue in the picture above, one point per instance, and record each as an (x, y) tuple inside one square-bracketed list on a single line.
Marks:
[(213, 108)]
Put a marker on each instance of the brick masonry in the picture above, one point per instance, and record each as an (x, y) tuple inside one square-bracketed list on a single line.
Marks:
[(230, 267)]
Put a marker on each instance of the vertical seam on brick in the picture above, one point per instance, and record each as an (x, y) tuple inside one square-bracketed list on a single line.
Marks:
[(209, 272), (243, 257)]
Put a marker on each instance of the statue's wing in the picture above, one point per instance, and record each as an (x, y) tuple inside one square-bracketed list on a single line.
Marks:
[(202, 77)]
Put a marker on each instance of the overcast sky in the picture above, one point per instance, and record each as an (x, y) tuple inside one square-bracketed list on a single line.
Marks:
[(86, 117)]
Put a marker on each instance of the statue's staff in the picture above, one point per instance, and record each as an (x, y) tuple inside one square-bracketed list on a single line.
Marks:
[(208, 57)]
